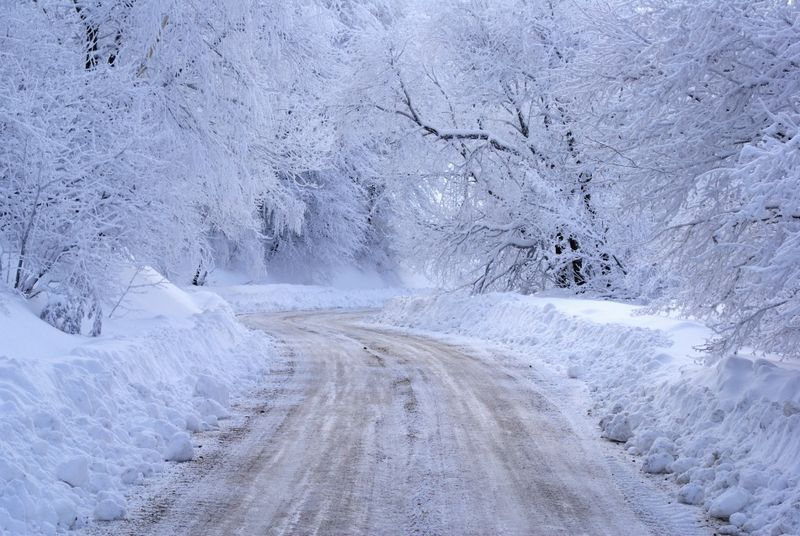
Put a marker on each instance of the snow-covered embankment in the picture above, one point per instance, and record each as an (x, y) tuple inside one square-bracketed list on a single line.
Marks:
[(82, 420), (727, 433)]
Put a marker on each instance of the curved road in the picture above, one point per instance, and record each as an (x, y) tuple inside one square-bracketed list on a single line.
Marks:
[(380, 432)]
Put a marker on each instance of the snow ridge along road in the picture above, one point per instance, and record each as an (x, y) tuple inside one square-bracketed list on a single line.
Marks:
[(389, 433)]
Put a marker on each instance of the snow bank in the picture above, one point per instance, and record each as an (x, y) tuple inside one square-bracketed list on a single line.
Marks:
[(82, 420), (728, 434), (284, 297)]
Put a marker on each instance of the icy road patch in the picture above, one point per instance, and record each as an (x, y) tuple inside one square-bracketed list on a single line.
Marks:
[(372, 430)]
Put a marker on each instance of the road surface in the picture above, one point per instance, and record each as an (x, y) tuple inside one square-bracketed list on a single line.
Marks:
[(376, 431)]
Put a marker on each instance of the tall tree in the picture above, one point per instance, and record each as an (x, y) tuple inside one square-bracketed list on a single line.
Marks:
[(507, 197), (701, 105)]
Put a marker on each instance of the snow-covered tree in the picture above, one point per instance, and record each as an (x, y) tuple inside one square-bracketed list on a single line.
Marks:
[(700, 103), (331, 236), (78, 188), (506, 197), (151, 132), (645, 148)]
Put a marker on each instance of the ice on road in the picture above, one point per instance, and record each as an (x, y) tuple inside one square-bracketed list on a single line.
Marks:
[(382, 432)]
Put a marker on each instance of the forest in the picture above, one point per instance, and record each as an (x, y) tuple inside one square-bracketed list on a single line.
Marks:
[(645, 151)]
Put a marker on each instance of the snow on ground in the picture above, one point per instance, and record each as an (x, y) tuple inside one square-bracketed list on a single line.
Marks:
[(285, 297), (727, 433), (83, 420)]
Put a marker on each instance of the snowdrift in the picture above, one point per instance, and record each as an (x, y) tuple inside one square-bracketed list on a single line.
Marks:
[(82, 420), (728, 434)]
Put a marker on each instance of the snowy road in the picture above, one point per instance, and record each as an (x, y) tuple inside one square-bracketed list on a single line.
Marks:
[(381, 432)]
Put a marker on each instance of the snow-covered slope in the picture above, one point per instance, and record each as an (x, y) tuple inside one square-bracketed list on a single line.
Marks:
[(728, 433), (285, 297), (82, 419)]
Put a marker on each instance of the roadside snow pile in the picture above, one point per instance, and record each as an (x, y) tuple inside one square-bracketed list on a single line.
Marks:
[(727, 433), (282, 297), (82, 420)]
